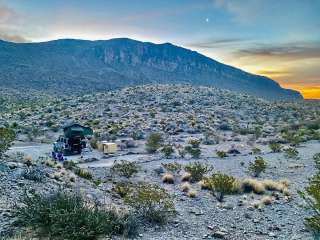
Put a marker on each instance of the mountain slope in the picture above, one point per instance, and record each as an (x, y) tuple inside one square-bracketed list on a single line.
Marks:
[(78, 65)]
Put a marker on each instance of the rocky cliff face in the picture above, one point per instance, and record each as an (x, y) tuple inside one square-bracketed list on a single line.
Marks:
[(77, 65)]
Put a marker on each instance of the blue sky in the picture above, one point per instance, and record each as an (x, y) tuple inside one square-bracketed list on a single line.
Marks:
[(279, 39)]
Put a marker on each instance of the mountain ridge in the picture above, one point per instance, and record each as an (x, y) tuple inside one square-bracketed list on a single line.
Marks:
[(66, 65)]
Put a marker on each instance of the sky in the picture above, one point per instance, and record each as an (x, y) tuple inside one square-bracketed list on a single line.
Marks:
[(279, 39)]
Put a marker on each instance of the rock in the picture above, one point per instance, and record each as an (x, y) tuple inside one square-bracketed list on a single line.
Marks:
[(219, 234)]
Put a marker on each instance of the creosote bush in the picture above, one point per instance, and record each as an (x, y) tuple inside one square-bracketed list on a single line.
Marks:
[(61, 215), (151, 202), (7, 136), (257, 167), (125, 168), (122, 188), (291, 152), (195, 152), (154, 142), (221, 185), (311, 195), (316, 159), (221, 154), (275, 147), (167, 150), (197, 170), (174, 167)]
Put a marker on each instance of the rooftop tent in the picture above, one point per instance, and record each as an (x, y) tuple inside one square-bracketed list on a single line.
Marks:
[(75, 129)]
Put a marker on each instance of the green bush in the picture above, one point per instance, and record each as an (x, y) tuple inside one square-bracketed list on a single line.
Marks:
[(125, 168), (151, 202), (172, 167), (194, 152), (197, 170), (195, 143), (311, 195), (257, 167), (291, 152), (83, 173), (222, 184), (167, 150), (316, 159), (7, 136), (275, 147), (61, 215), (221, 154), (256, 150), (154, 142), (122, 188)]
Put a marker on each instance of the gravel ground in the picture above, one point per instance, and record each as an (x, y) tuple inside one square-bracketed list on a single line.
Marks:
[(201, 217)]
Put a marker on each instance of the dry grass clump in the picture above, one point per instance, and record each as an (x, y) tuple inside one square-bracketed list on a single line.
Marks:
[(186, 177), (266, 200), (168, 178), (205, 184), (256, 204), (273, 185), (285, 182), (252, 185), (185, 187), (192, 193)]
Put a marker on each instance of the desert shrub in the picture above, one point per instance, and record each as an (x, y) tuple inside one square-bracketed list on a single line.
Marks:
[(316, 159), (293, 139), (151, 202), (185, 177), (221, 154), (194, 152), (252, 185), (182, 152), (197, 170), (125, 168), (192, 193), (167, 150), (154, 142), (256, 150), (122, 188), (7, 136), (34, 174), (311, 195), (172, 167), (222, 184), (195, 143), (275, 147), (266, 200), (257, 167), (69, 164), (274, 185), (185, 187), (291, 152), (61, 215), (206, 184), (83, 173), (168, 178)]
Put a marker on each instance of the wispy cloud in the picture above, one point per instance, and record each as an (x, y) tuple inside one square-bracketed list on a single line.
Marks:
[(8, 20), (287, 51), (216, 42)]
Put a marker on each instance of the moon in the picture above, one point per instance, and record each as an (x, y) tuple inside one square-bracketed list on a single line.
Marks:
[(207, 20)]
